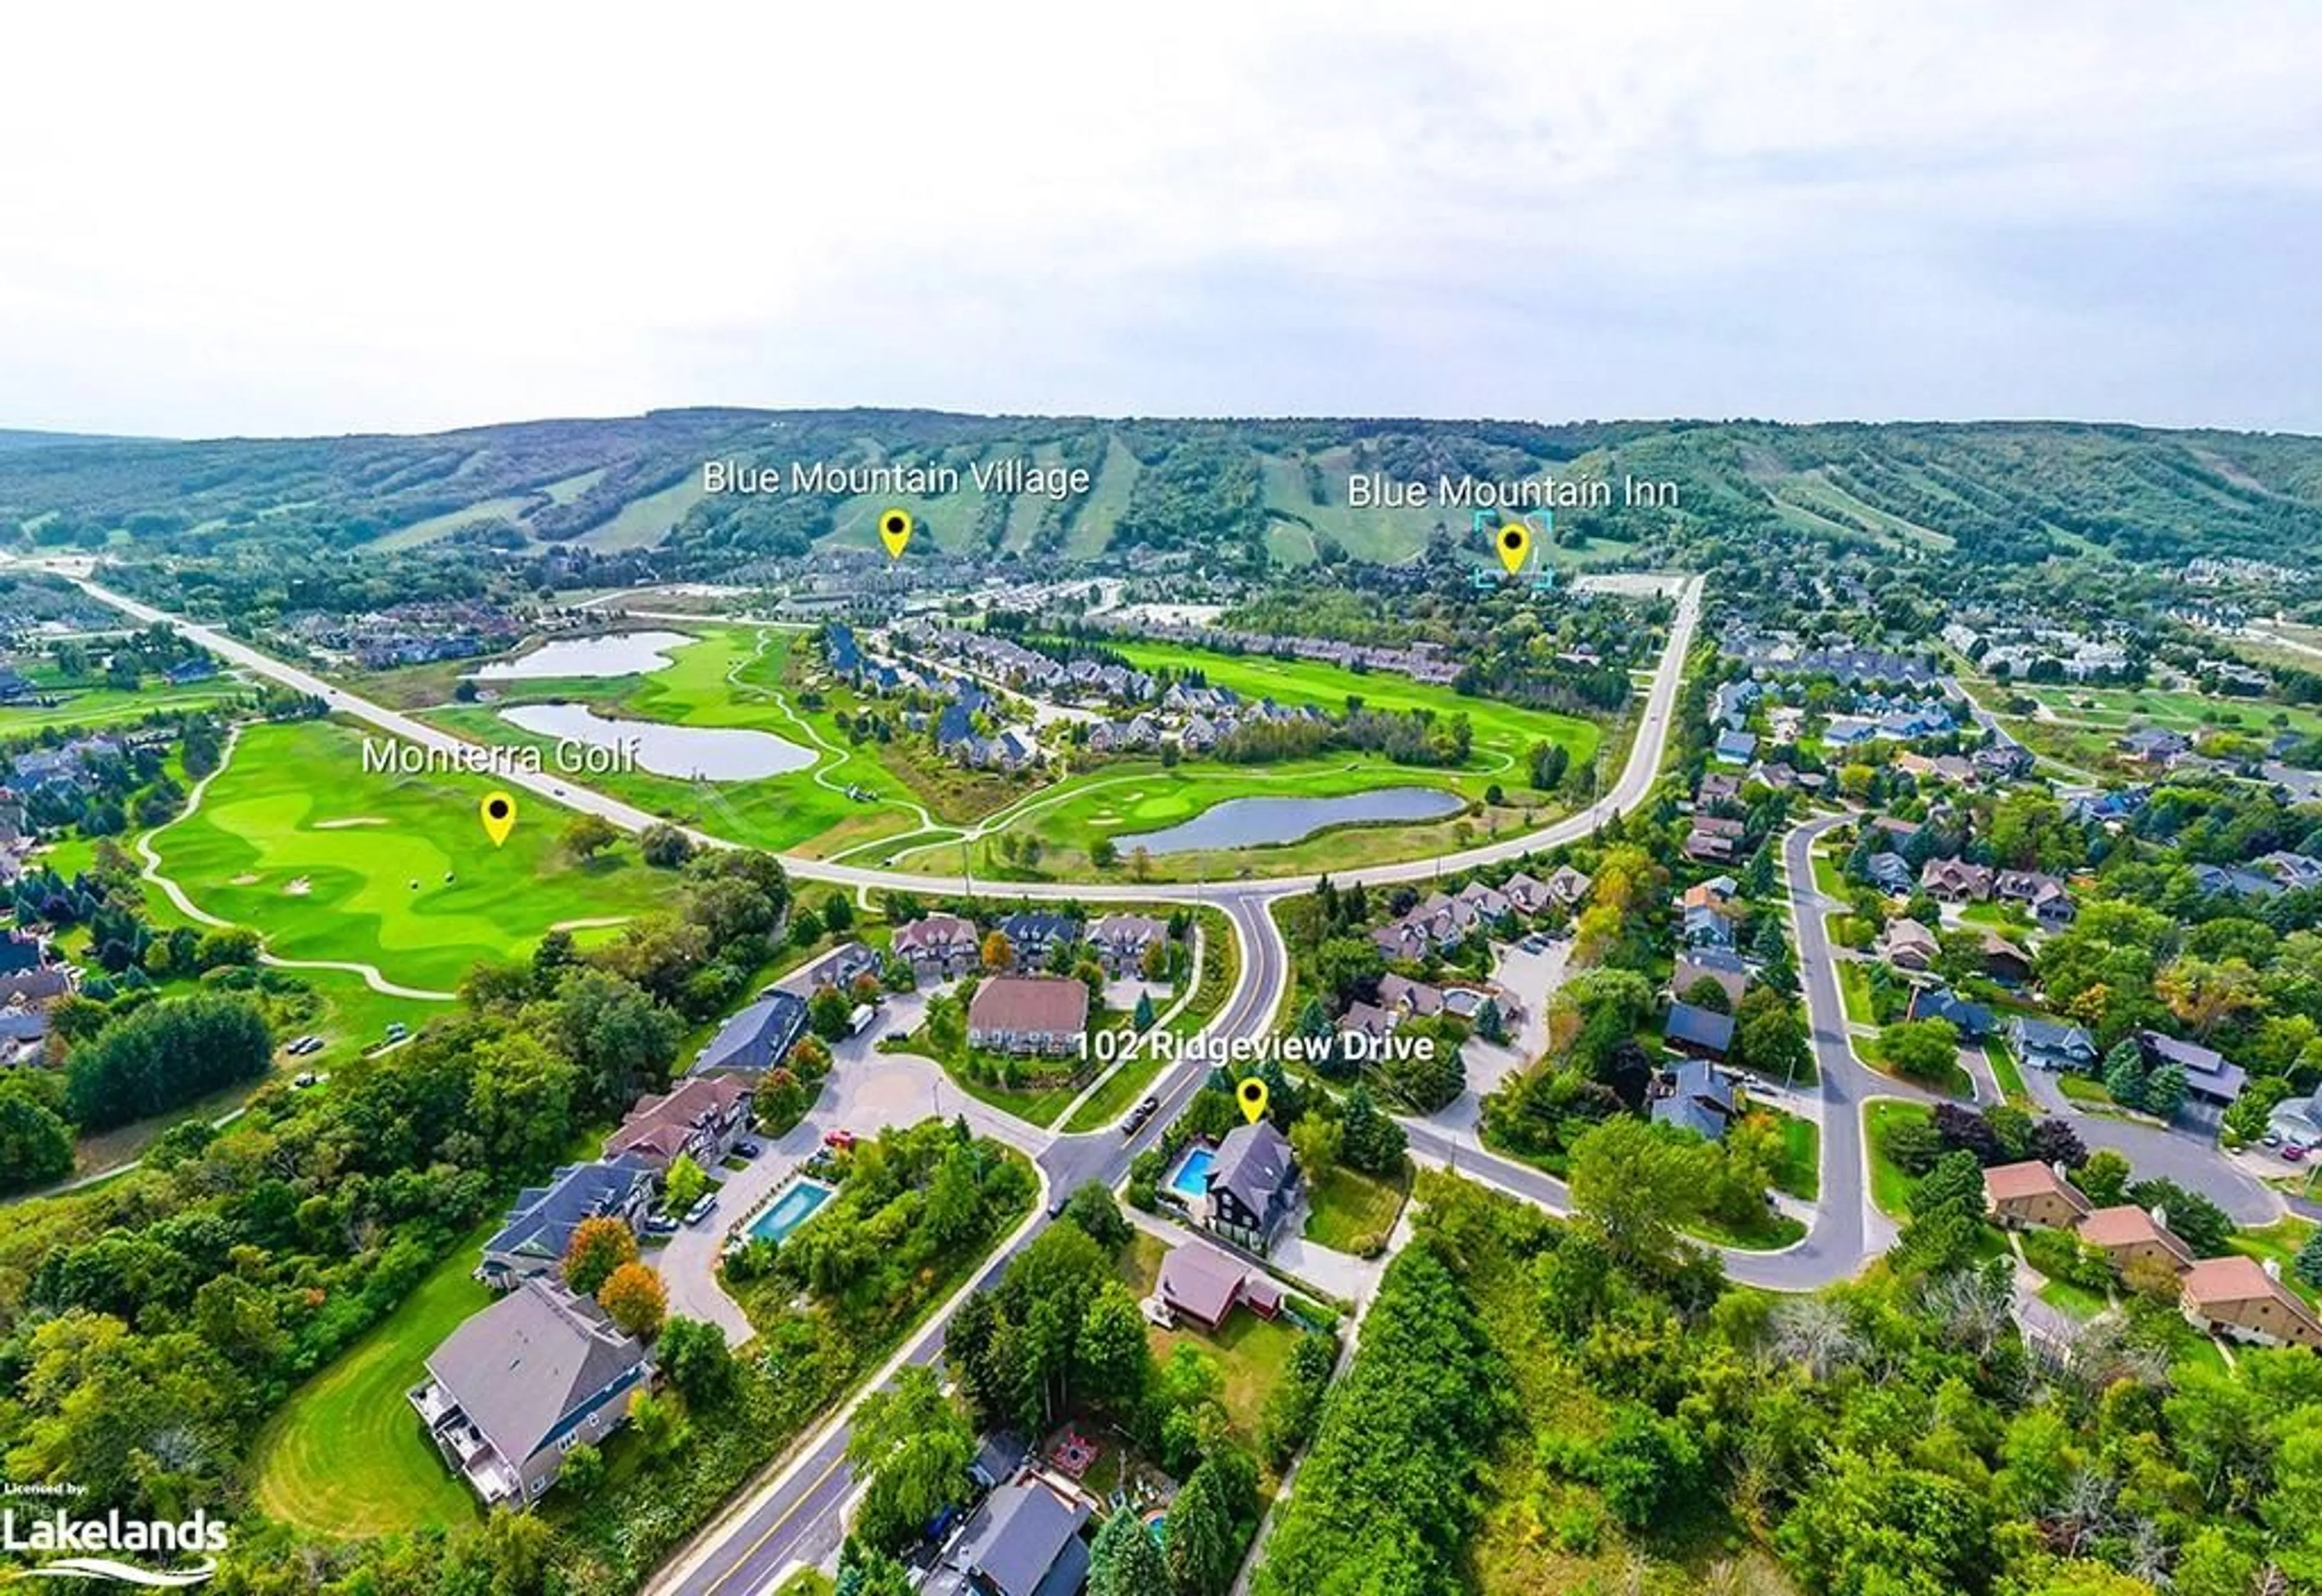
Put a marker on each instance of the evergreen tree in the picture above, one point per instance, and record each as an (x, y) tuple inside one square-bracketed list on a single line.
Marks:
[(1126, 1560), (2124, 1073)]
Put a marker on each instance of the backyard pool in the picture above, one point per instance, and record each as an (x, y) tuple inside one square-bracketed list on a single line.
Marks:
[(792, 1209), (1193, 1176)]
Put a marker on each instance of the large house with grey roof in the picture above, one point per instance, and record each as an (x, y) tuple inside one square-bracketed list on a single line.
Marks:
[(540, 1225), (511, 1391), (1253, 1183)]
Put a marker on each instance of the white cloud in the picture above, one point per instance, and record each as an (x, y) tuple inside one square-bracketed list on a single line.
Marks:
[(301, 219)]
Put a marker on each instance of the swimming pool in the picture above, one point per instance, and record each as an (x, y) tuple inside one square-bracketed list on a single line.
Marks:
[(792, 1209), (1193, 1176)]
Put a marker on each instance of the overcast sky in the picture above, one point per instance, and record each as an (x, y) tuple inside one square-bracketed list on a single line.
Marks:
[(226, 220)]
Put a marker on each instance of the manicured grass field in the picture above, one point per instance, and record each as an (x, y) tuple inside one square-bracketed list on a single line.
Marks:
[(346, 1456), (2073, 1301), (327, 861), (1350, 1206), (2184, 712), (96, 707), (1890, 1186), (1855, 987)]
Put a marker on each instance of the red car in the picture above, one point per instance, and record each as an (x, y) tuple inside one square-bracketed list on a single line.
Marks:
[(2292, 1153), (839, 1140)]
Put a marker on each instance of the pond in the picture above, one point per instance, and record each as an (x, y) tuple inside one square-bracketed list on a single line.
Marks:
[(1255, 822), (689, 753), (617, 653)]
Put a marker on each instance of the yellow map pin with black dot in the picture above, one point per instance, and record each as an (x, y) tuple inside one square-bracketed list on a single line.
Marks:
[(895, 532), (498, 812), (1514, 541), (1252, 1094)]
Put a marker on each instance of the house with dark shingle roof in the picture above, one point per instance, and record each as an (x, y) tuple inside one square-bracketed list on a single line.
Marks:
[(2045, 1045), (540, 1225), (1695, 1097), (1253, 1183), (700, 1117), (1974, 1020), (756, 1038), (1700, 1033), (1022, 1540), (523, 1381), (1035, 933)]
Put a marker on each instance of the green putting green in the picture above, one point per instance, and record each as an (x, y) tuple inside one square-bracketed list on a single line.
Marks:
[(329, 861)]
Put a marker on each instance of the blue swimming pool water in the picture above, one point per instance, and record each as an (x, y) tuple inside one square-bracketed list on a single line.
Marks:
[(1193, 1176), (792, 1209)]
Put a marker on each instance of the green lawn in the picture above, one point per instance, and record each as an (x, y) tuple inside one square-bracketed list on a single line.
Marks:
[(1855, 987), (1827, 880), (1890, 1187), (93, 706), (2083, 1088), (2003, 1069), (2187, 712), (2281, 1242), (2075, 1301), (1350, 1206), (326, 861), (1800, 1174), (1953, 1083), (346, 1456)]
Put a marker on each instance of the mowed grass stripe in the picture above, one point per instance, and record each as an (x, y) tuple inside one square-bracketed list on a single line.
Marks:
[(346, 1456)]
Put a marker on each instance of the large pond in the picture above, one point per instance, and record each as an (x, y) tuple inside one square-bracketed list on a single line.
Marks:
[(1256, 822), (616, 653), (691, 753)]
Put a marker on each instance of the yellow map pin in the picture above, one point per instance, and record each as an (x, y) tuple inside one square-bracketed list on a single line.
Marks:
[(1252, 1093), (1514, 541), (499, 811), (895, 532)]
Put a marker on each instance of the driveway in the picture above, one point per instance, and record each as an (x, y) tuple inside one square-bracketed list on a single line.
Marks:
[(1532, 979), (868, 1091), (2194, 1162)]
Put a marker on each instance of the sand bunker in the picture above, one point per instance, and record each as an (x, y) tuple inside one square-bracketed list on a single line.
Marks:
[(596, 924), (350, 820), (243, 881), (299, 887)]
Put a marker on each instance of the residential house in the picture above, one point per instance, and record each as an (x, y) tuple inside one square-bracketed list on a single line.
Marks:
[(1568, 886), (1704, 927), (1891, 873), (1035, 933), (1253, 1183), (2044, 1045), (1367, 1020), (23, 1036), (520, 1383), (2211, 1079), (2020, 1195), (2237, 1295), (1720, 965), (1699, 1032), (838, 968), (756, 1038), (1955, 880), (1028, 1014), (2003, 961), (1487, 903), (938, 945), (1022, 1540), (1120, 941), (1200, 1283), (1695, 1097), (1405, 996), (541, 1224), (2130, 1235), (1713, 839), (700, 1117), (2234, 880), (1974, 1020), (1713, 893), (1735, 748), (1911, 945), (1530, 895), (2299, 872), (2155, 745)]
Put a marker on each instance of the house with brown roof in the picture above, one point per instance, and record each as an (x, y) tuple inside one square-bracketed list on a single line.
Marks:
[(1911, 945), (2238, 1296), (1044, 1014), (1200, 1283), (2129, 1236), (938, 945), (1568, 886), (1955, 880), (2021, 1195), (701, 1117)]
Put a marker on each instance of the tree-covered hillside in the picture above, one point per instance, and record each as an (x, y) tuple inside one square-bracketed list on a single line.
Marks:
[(1234, 491)]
